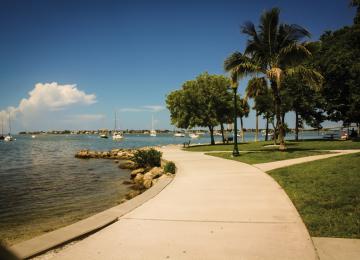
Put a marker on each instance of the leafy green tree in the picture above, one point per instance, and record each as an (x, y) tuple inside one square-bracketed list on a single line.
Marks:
[(339, 62), (274, 50), (202, 102)]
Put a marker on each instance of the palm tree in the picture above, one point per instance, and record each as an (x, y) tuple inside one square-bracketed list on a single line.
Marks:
[(256, 87), (274, 50)]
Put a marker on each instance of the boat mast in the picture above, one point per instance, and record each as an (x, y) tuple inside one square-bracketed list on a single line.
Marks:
[(115, 122), (152, 122), (2, 126), (9, 124)]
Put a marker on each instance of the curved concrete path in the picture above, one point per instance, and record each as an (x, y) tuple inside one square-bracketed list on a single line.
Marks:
[(213, 209)]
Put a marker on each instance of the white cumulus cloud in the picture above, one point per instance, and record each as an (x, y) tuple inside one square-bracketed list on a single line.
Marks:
[(45, 98)]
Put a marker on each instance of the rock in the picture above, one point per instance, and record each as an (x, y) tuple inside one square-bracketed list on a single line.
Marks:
[(139, 178), (116, 161), (155, 172), (123, 200), (132, 194), (135, 172), (127, 182), (154, 181), (147, 183), (127, 165)]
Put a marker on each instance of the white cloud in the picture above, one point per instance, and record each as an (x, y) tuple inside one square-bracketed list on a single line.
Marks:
[(154, 108), (45, 98)]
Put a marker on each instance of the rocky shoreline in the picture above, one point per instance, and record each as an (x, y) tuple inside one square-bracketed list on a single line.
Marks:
[(141, 178)]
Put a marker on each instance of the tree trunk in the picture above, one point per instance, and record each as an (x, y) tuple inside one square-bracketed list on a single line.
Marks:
[(242, 129), (267, 129), (211, 128), (257, 127), (296, 126), (279, 122), (222, 132)]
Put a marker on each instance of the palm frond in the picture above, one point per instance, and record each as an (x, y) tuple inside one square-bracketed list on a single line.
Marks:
[(312, 77), (275, 74), (293, 53), (255, 87)]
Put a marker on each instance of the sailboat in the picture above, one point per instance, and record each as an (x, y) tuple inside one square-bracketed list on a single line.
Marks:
[(117, 135), (152, 132), (9, 138), (2, 137)]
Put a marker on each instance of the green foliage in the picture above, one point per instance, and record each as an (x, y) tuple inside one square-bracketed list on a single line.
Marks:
[(170, 167), (326, 194), (204, 102), (339, 62), (147, 158)]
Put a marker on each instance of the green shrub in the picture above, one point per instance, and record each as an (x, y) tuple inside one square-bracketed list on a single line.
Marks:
[(170, 167), (147, 158)]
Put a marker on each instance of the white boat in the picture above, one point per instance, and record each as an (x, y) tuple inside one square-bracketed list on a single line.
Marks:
[(9, 138), (179, 134), (117, 135), (194, 136), (33, 136), (103, 136), (153, 131), (270, 134)]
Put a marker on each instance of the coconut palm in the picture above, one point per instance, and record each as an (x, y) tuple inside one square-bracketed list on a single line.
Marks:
[(274, 50), (256, 87)]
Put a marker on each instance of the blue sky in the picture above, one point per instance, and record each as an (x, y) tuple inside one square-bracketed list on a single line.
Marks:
[(126, 55)]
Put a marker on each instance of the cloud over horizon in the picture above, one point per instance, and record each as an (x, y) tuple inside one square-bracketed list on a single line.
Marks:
[(153, 108), (45, 99)]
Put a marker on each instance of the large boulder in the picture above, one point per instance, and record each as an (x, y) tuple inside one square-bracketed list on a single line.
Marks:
[(136, 172), (139, 178), (155, 172), (127, 165)]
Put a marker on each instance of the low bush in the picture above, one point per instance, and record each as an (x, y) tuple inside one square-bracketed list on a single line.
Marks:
[(170, 167), (147, 158)]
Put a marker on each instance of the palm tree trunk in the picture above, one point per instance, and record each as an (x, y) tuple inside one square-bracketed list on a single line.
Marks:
[(242, 129), (267, 128), (279, 122), (211, 129), (296, 126), (222, 132), (257, 127)]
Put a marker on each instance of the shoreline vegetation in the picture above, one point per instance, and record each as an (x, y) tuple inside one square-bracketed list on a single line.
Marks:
[(146, 165)]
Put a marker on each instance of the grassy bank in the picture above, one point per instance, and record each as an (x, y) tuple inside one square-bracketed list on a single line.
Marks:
[(326, 194), (291, 145), (265, 156)]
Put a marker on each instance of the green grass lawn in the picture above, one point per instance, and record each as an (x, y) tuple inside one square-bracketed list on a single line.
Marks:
[(326, 193), (266, 156), (291, 146)]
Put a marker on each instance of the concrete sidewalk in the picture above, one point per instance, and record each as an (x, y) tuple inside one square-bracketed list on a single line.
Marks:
[(213, 209)]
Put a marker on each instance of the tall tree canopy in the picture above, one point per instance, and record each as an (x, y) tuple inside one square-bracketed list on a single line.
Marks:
[(204, 102), (339, 62), (275, 50)]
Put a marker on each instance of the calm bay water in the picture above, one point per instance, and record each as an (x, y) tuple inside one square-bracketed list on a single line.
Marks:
[(43, 187)]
